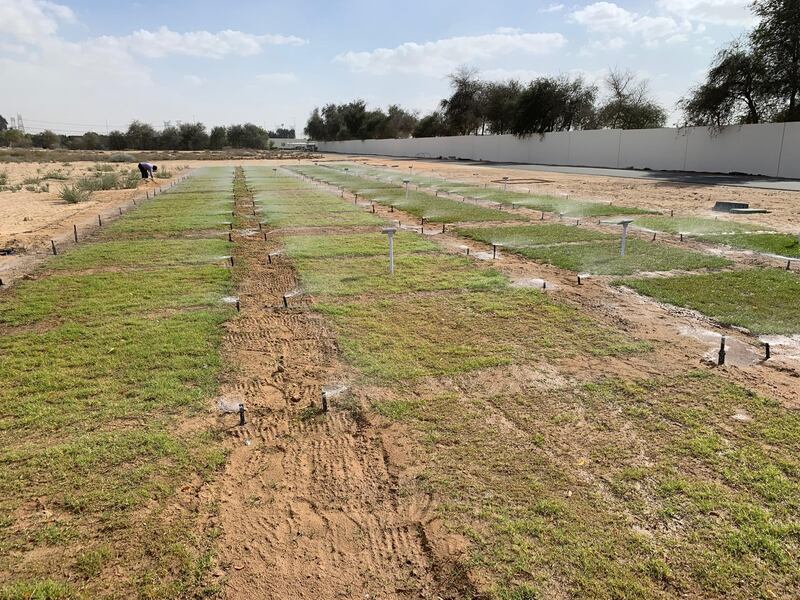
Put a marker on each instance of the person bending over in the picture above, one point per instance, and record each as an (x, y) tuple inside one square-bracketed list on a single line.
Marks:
[(147, 170)]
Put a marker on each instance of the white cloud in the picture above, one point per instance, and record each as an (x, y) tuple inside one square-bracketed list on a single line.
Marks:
[(30, 20), (194, 79), (508, 30), (205, 44), (277, 78), (552, 8), (441, 56), (523, 75), (717, 12), (613, 20)]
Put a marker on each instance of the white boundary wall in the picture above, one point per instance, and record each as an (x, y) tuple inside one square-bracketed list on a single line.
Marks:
[(771, 149)]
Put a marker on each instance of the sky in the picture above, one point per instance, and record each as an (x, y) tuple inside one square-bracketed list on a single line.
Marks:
[(77, 65)]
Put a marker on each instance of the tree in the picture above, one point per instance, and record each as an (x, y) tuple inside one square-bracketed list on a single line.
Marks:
[(46, 139), (628, 104), (776, 43), (193, 136), (553, 104), (91, 141), (15, 138), (734, 90), (117, 140), (169, 138), (399, 123), (218, 138), (463, 110), (499, 102), (3, 123), (141, 136), (432, 125), (315, 127), (248, 136), (281, 134)]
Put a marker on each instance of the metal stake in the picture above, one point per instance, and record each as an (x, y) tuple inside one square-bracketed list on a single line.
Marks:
[(721, 355), (241, 415)]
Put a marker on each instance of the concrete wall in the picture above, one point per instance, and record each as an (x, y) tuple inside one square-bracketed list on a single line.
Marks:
[(771, 149)]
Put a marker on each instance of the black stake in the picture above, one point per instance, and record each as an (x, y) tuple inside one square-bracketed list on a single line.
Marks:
[(241, 415), (53, 244), (766, 351), (494, 251), (99, 221), (788, 265), (721, 355), (579, 280), (238, 306), (230, 237), (654, 237), (443, 227), (120, 211), (231, 260), (324, 402), (75, 232), (285, 302), (269, 257)]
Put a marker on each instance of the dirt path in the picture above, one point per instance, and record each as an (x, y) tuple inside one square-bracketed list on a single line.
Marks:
[(309, 504)]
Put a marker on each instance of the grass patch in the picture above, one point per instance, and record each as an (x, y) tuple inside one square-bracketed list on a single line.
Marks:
[(693, 225), (761, 300), (359, 244), (602, 258), (615, 489), (415, 336), (141, 253), (413, 273), (781, 244), (528, 235)]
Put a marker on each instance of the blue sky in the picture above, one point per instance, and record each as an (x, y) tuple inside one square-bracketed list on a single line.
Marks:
[(77, 64)]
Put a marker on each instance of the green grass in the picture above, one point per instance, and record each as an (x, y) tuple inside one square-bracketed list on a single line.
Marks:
[(761, 300), (693, 225), (602, 258), (415, 336), (360, 244), (554, 204), (413, 273), (100, 375), (640, 489), (528, 235), (141, 253), (781, 244), (89, 297)]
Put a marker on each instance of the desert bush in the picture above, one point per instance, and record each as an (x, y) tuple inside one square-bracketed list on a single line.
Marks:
[(31, 188), (72, 194), (102, 168), (130, 180), (55, 175), (3, 178), (121, 158), (163, 173), (30, 181), (105, 181)]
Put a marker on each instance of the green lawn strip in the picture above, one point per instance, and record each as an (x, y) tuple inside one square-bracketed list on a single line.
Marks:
[(322, 218), (88, 298), (780, 244), (761, 300), (554, 204), (528, 235), (79, 376), (413, 273), (602, 258), (141, 253), (615, 490), (167, 224), (358, 244), (93, 417), (694, 225), (439, 210), (420, 335)]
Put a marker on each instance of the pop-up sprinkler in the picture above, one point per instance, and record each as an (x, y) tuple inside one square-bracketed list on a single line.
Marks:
[(390, 231), (624, 239), (505, 184), (406, 182)]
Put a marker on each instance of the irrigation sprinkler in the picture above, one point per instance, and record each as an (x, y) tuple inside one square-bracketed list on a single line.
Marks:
[(671, 212), (505, 184), (654, 237), (494, 251), (241, 415), (722, 352), (579, 280), (406, 182), (147, 194), (372, 204), (120, 211), (75, 233), (390, 231), (542, 217), (681, 236)]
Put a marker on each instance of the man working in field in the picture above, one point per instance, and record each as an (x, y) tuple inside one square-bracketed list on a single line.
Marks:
[(147, 170)]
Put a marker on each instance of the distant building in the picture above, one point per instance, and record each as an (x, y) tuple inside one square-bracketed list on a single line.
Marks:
[(294, 144)]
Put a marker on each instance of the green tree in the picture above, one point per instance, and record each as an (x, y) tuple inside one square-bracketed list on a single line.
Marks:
[(46, 139), (169, 138), (776, 42), (141, 136), (218, 138), (117, 140), (628, 104), (3, 123), (464, 110), (315, 126), (432, 125), (193, 136)]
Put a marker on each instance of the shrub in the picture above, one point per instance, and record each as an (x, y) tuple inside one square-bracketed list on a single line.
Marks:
[(121, 158), (163, 173), (106, 181), (72, 194), (102, 168), (31, 188), (55, 175), (3, 178), (30, 181), (131, 180)]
